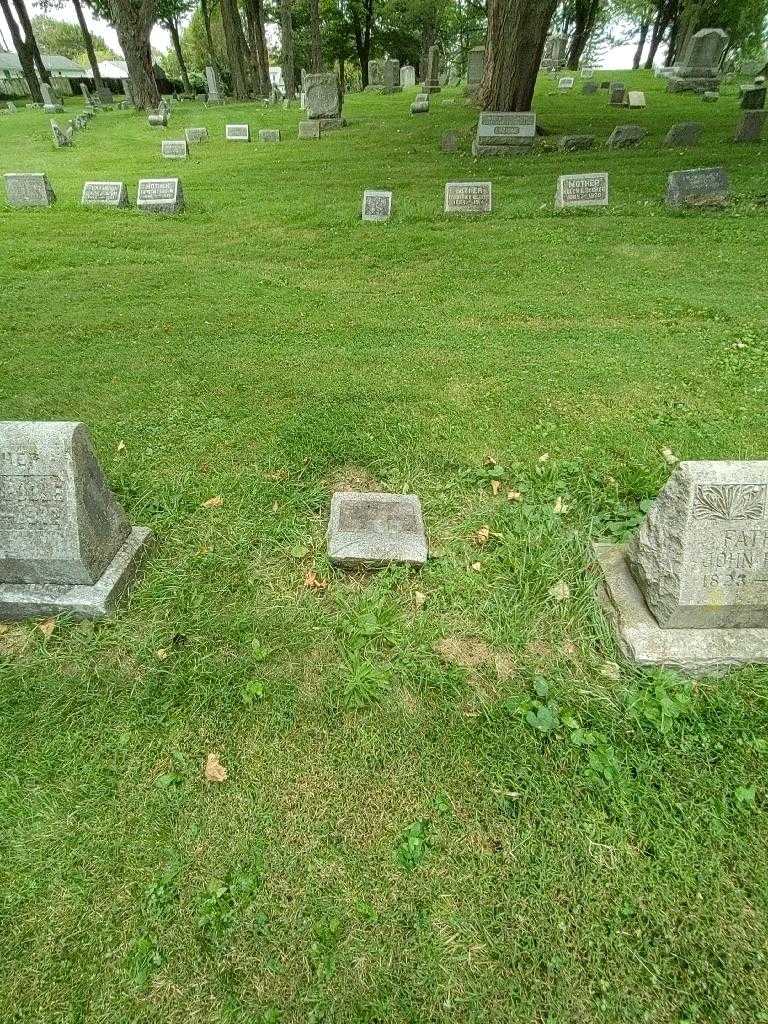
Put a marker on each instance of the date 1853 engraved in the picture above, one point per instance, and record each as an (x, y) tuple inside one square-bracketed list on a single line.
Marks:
[(729, 502)]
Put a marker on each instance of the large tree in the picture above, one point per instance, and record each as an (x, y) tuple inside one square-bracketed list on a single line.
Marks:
[(24, 43), (361, 15), (584, 19), (517, 30), (237, 49), (316, 51), (257, 45), (133, 21), (169, 13)]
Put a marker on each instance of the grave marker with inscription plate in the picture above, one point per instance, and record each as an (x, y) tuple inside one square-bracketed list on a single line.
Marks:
[(468, 197), (701, 186), (571, 143), (750, 128), (195, 135), (105, 193), (377, 204), (309, 129), (565, 83), (624, 135), (269, 135), (65, 543), (160, 195), (635, 99), (504, 133), (174, 149), (28, 190), (582, 190), (686, 133), (237, 133), (376, 529)]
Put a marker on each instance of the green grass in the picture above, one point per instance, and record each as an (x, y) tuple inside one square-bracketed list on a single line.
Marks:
[(453, 812)]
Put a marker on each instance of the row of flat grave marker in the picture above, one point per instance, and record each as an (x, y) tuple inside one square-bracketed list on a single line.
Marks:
[(689, 591), (153, 195)]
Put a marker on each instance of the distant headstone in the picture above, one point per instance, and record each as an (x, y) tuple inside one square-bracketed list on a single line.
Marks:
[(750, 128), (432, 78), (269, 135), (215, 91), (28, 190), (475, 68), (157, 120), (323, 96), (377, 205), (237, 133), (624, 135), (552, 55), (582, 190), (174, 149), (407, 76), (504, 133), (586, 72), (309, 129), (105, 95), (635, 99), (376, 529), (571, 143), (467, 197), (105, 193), (701, 186), (303, 101), (11, 106), (51, 104), (686, 133), (589, 88), (690, 589), (195, 135), (709, 96), (565, 83), (160, 195), (67, 546), (375, 76), (605, 85), (128, 93), (449, 142), (86, 94), (753, 97), (421, 103), (392, 75), (699, 69), (61, 137)]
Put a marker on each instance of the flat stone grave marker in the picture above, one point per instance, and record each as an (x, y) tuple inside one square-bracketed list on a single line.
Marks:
[(468, 197), (751, 127), (587, 72), (174, 149), (449, 142), (589, 88), (635, 99), (28, 190), (196, 135), (374, 529), (565, 83), (753, 97), (690, 589), (160, 195), (582, 190), (420, 104), (269, 135), (616, 94), (237, 133), (157, 120), (504, 133), (708, 96), (377, 204), (624, 135), (571, 143), (105, 193), (700, 186), (309, 129), (686, 133), (65, 543)]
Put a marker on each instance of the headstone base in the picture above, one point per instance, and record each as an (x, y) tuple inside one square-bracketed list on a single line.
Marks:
[(431, 88), (328, 124), (677, 84), (35, 601), (696, 652), (522, 147)]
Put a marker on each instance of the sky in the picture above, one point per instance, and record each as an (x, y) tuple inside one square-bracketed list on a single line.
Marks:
[(616, 58)]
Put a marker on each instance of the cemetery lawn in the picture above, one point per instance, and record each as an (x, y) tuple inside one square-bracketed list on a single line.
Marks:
[(448, 797)]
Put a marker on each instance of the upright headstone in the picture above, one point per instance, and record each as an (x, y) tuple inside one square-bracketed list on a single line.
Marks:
[(700, 186), (565, 84), (589, 88), (51, 104), (624, 135), (690, 589), (391, 74), (61, 137), (67, 546), (323, 99), (375, 76), (128, 93), (504, 133), (105, 193), (552, 57), (28, 190), (11, 107), (86, 94), (215, 91), (686, 133), (753, 97), (468, 197), (475, 68), (616, 94), (432, 78), (449, 142), (420, 104), (376, 529), (160, 195), (157, 120), (699, 69), (582, 190), (750, 128), (309, 129), (269, 135), (195, 135), (407, 76), (377, 204), (174, 149), (237, 133)]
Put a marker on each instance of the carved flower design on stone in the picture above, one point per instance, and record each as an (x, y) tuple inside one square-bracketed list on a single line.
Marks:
[(729, 501)]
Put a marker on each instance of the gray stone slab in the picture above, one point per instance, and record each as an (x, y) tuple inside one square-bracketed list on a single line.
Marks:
[(506, 127), (174, 149), (571, 143), (699, 186), (157, 120), (565, 84), (635, 99), (322, 95), (686, 133), (375, 529), (421, 104), (695, 652), (195, 135), (28, 190), (407, 76), (160, 195), (616, 94), (309, 129), (432, 78), (753, 97), (582, 190), (468, 197), (377, 204), (269, 135), (589, 88), (624, 135), (105, 193), (751, 127), (449, 142), (61, 136), (237, 133), (709, 96)]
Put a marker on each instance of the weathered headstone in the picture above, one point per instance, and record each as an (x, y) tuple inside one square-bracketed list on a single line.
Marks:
[(269, 134), (504, 133), (432, 79), (105, 193), (699, 69), (624, 135), (86, 94), (160, 195), (392, 76), (586, 72), (323, 98), (565, 84), (375, 76), (686, 133), (582, 190), (28, 190), (215, 91), (195, 135), (61, 137), (377, 204), (708, 96), (750, 128), (237, 133), (475, 68), (552, 56), (589, 88), (376, 529), (420, 104), (51, 104), (690, 589), (407, 76), (467, 197), (174, 149), (753, 97), (128, 93), (66, 545), (571, 143), (616, 94), (309, 129), (635, 99), (700, 186), (449, 142), (157, 120)]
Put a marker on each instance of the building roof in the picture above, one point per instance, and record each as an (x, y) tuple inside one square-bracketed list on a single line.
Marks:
[(113, 69), (62, 67)]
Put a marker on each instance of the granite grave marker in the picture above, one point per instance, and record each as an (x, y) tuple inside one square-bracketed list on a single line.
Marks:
[(374, 529)]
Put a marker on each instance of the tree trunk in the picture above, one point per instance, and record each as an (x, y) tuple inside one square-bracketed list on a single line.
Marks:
[(361, 28), (644, 27), (286, 45), (428, 39), (517, 31), (254, 13), (88, 41), (173, 27), (585, 16), (316, 58), (206, 13), (657, 34), (29, 36), (133, 20), (235, 41), (24, 53), (342, 74)]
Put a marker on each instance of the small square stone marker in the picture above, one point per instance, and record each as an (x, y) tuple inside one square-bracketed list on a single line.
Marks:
[(160, 195), (309, 129), (750, 128), (624, 135), (582, 190), (376, 529), (468, 197), (686, 133), (174, 149), (28, 190), (377, 204), (449, 142), (269, 135), (690, 589), (105, 193), (65, 543), (193, 135), (237, 133), (635, 99), (571, 143), (700, 186)]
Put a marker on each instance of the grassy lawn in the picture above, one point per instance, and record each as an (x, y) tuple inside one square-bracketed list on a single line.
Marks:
[(448, 797)]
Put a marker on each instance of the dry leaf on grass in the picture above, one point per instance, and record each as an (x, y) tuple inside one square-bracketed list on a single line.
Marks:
[(514, 496), (215, 502), (121, 446), (495, 487), (214, 770), (476, 567), (560, 591), (611, 671), (544, 457), (560, 507), (162, 654), (669, 457), (47, 627), (419, 599), (482, 536), (311, 581)]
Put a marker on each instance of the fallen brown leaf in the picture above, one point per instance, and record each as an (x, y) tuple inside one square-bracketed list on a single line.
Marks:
[(47, 627), (482, 536), (215, 502), (214, 770), (311, 581), (121, 446), (162, 654), (419, 599), (495, 487), (560, 507), (560, 591), (476, 566), (611, 671), (514, 496)]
